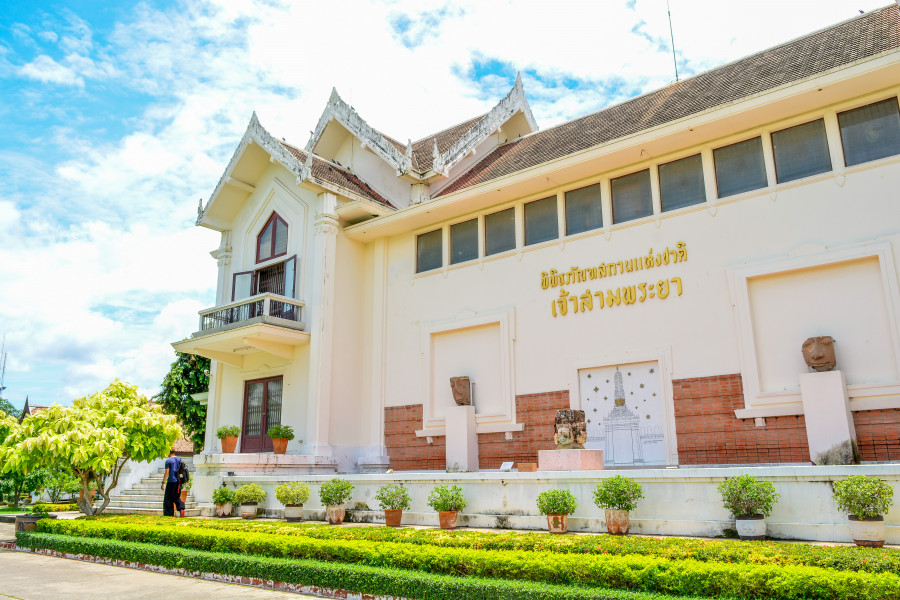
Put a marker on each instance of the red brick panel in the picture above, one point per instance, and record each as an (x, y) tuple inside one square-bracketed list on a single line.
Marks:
[(535, 411), (878, 434), (708, 432)]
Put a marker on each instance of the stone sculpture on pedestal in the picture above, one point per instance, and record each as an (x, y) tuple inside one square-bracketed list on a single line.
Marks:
[(818, 352), (462, 390), (570, 430)]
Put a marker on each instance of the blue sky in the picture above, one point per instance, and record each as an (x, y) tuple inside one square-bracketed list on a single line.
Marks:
[(119, 116)]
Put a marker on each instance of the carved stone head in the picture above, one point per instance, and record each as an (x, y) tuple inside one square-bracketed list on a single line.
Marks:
[(818, 352), (462, 390), (570, 430)]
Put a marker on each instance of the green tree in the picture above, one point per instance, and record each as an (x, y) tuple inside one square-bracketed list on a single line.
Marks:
[(14, 485), (60, 484), (188, 375), (7, 407), (93, 439)]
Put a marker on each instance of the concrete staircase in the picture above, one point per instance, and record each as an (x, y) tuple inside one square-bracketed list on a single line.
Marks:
[(145, 498)]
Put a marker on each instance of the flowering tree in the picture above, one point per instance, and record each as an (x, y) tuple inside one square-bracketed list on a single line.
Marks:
[(93, 439)]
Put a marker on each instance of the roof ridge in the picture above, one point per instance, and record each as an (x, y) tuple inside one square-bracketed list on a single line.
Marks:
[(446, 129)]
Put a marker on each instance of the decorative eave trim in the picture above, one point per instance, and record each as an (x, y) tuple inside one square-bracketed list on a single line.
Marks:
[(514, 101), (370, 137)]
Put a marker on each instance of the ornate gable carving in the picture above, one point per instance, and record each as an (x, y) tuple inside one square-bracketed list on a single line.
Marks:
[(369, 137), (514, 101)]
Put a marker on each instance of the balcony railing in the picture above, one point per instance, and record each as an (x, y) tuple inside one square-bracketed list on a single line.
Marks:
[(261, 305)]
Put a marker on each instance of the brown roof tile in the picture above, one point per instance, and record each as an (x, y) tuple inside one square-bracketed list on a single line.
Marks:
[(841, 44), (325, 171)]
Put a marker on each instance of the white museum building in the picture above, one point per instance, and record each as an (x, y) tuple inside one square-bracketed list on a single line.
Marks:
[(657, 264)]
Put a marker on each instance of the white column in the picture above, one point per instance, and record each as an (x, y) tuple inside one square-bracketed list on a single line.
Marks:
[(377, 352), (321, 322), (213, 403)]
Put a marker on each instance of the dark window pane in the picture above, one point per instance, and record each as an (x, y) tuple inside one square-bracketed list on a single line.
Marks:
[(281, 237), (541, 223), (801, 151), (271, 280), (500, 231), (290, 267), (273, 403), (243, 286), (429, 253), (265, 242), (583, 209), (631, 197), (740, 167), (253, 424), (463, 241), (870, 132), (681, 183)]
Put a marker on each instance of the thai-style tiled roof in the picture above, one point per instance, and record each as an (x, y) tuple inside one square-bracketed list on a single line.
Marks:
[(861, 37)]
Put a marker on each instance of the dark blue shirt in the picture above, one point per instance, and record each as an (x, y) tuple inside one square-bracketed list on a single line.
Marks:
[(172, 464)]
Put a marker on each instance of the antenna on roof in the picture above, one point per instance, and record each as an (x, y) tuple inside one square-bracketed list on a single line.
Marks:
[(672, 35)]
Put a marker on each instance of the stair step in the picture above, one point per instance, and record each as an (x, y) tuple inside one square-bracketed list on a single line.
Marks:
[(143, 498), (145, 505), (192, 512)]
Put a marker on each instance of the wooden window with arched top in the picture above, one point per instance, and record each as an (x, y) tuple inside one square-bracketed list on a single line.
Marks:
[(272, 240)]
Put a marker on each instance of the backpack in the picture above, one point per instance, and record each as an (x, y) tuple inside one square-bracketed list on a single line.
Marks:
[(183, 474)]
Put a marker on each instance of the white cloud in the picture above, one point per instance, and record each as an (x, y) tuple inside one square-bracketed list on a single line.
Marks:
[(47, 70)]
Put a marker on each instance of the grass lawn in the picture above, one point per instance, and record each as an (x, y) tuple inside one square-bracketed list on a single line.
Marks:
[(464, 565), (9, 509)]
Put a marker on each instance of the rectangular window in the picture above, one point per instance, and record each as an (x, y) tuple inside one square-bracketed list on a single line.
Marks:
[(631, 197), (541, 222), (870, 132), (801, 151), (681, 183), (463, 241), (500, 231), (740, 167), (583, 209), (429, 251)]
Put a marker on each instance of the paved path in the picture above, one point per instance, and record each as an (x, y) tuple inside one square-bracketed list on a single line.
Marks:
[(26, 576)]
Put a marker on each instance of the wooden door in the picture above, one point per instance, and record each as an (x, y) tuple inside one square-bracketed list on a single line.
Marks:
[(262, 409)]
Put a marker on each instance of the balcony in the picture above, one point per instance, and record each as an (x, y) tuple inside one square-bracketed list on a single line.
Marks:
[(265, 323)]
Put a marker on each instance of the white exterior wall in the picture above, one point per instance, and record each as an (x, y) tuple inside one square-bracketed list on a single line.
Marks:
[(373, 170)]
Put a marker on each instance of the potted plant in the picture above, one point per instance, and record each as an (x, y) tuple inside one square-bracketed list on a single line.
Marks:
[(865, 499), (223, 497), (447, 501), (394, 499), (333, 494), (249, 496), (281, 435), (750, 501), (229, 436), (292, 494), (618, 495), (557, 505), (185, 489)]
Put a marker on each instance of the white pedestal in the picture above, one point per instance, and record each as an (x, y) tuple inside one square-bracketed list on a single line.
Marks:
[(570, 460), (462, 441), (826, 408)]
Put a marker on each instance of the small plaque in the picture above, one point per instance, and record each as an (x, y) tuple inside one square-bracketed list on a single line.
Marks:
[(507, 466)]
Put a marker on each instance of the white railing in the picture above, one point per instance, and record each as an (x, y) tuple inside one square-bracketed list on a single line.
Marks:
[(260, 305)]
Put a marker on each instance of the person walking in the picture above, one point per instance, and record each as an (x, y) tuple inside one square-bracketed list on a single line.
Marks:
[(172, 486)]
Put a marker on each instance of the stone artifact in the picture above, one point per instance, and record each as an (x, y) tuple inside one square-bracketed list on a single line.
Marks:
[(818, 352), (462, 390), (570, 430)]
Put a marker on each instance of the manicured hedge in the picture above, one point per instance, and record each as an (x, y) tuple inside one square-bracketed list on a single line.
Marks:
[(54, 507), (631, 572), (845, 558), (354, 578)]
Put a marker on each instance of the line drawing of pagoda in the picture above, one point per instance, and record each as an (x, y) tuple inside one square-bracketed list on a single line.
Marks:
[(622, 430)]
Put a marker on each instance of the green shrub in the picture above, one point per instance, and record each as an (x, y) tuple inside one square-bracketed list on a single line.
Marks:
[(393, 497), (45, 508), (281, 432), (443, 498), (744, 496), (556, 502), (354, 578), (228, 431), (292, 492), (249, 494), (646, 573), (223, 495), (863, 496), (618, 493), (335, 491)]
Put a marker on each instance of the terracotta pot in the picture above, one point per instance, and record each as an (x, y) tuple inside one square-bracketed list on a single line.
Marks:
[(248, 510), (865, 532), (447, 519), (224, 509), (279, 445), (229, 443), (617, 522), (293, 513), (751, 527), (184, 494), (393, 516), (335, 514), (558, 523)]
